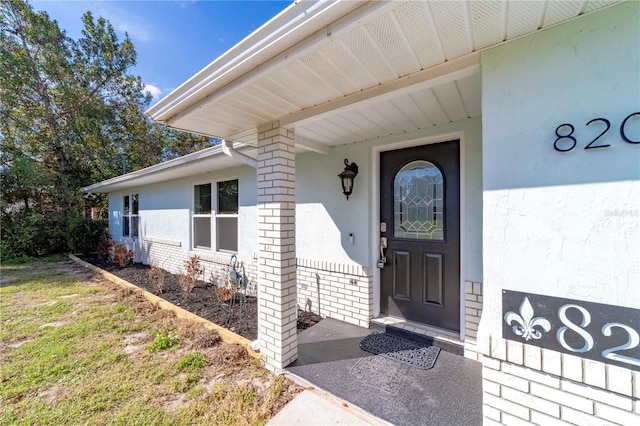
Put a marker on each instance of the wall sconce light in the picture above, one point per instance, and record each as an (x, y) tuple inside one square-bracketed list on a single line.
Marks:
[(347, 177)]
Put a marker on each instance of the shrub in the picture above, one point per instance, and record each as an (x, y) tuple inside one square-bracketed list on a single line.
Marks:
[(121, 255), (85, 234), (104, 246), (156, 278), (193, 270), (32, 233)]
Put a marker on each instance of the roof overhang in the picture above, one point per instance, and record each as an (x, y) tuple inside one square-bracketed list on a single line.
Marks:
[(208, 160), (345, 71)]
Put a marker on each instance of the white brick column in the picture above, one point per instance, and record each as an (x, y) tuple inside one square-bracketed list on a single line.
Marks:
[(277, 307)]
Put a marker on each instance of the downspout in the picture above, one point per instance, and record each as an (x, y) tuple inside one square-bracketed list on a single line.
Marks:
[(228, 149)]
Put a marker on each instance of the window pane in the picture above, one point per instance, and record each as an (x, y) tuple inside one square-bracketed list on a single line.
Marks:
[(126, 204), (125, 226), (202, 232), (135, 221), (228, 197), (134, 199), (227, 233), (202, 199), (418, 202)]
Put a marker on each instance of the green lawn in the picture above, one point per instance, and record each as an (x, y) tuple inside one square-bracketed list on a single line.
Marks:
[(76, 350)]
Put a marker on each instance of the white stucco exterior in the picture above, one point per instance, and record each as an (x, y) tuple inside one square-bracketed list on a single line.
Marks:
[(562, 223)]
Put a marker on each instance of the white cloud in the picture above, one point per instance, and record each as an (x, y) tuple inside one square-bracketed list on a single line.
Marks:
[(153, 90), (124, 22)]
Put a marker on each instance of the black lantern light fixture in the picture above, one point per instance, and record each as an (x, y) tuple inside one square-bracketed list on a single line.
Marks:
[(347, 177)]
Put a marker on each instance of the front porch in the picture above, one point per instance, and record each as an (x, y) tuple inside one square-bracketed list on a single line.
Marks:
[(329, 358)]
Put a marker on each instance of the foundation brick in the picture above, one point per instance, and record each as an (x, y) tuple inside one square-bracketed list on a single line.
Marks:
[(530, 401), (506, 406), (616, 415), (504, 379), (563, 398), (598, 395), (509, 420), (574, 417), (491, 413)]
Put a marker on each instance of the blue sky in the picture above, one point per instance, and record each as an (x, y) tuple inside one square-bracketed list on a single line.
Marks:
[(173, 39)]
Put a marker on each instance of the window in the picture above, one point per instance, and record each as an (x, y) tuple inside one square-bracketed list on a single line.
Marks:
[(224, 209), (202, 216), (227, 216), (130, 218), (418, 200)]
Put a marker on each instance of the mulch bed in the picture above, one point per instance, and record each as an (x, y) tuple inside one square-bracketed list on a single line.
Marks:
[(239, 314)]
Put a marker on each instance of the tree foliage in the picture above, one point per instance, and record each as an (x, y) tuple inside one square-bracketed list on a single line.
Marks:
[(71, 114)]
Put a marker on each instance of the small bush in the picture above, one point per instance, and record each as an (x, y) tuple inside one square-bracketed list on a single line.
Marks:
[(162, 341), (104, 246), (156, 278), (193, 270), (121, 255), (191, 361)]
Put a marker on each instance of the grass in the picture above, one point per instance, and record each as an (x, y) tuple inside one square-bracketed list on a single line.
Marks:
[(73, 350)]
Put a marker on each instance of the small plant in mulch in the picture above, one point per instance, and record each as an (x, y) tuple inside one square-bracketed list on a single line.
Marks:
[(307, 319), (229, 295), (156, 278), (193, 270), (121, 255), (104, 246)]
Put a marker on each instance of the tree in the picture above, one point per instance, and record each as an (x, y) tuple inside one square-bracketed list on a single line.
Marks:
[(71, 111)]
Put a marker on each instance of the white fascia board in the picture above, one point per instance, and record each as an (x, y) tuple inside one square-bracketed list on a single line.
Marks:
[(162, 170), (281, 32)]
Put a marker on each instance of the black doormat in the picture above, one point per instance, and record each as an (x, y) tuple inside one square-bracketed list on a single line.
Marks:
[(415, 354)]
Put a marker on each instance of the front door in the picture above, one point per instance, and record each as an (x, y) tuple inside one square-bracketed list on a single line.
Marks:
[(420, 209)]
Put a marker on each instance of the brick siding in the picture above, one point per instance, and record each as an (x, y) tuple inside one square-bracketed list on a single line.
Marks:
[(524, 384)]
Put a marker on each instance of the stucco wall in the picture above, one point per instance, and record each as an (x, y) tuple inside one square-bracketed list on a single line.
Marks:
[(165, 210), (563, 224), (324, 218)]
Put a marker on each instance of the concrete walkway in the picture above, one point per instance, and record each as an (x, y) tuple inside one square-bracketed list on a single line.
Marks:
[(367, 389), (316, 408)]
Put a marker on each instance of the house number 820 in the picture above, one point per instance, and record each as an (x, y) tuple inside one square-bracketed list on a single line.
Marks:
[(565, 140)]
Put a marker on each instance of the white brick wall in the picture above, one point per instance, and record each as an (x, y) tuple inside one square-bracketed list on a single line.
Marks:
[(170, 256), (277, 301), (523, 384), (326, 289), (473, 312)]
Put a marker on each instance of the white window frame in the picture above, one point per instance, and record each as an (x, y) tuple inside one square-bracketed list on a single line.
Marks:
[(213, 216), (214, 224), (195, 215), (128, 216)]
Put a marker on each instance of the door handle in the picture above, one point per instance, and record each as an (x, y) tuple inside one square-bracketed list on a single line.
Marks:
[(383, 246)]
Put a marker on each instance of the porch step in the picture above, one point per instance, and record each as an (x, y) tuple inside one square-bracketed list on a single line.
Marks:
[(417, 333)]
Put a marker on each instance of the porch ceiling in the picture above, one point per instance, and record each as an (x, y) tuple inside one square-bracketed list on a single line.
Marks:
[(348, 81)]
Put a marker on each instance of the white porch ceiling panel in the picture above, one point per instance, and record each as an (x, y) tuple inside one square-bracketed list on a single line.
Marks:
[(379, 47)]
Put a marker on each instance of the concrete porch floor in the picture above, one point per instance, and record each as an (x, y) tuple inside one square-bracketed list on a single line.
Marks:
[(448, 394)]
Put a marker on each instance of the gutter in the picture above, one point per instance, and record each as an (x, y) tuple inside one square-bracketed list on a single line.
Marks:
[(227, 148), (176, 162)]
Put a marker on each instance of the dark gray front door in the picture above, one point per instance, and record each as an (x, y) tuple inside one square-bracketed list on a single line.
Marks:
[(420, 205)]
